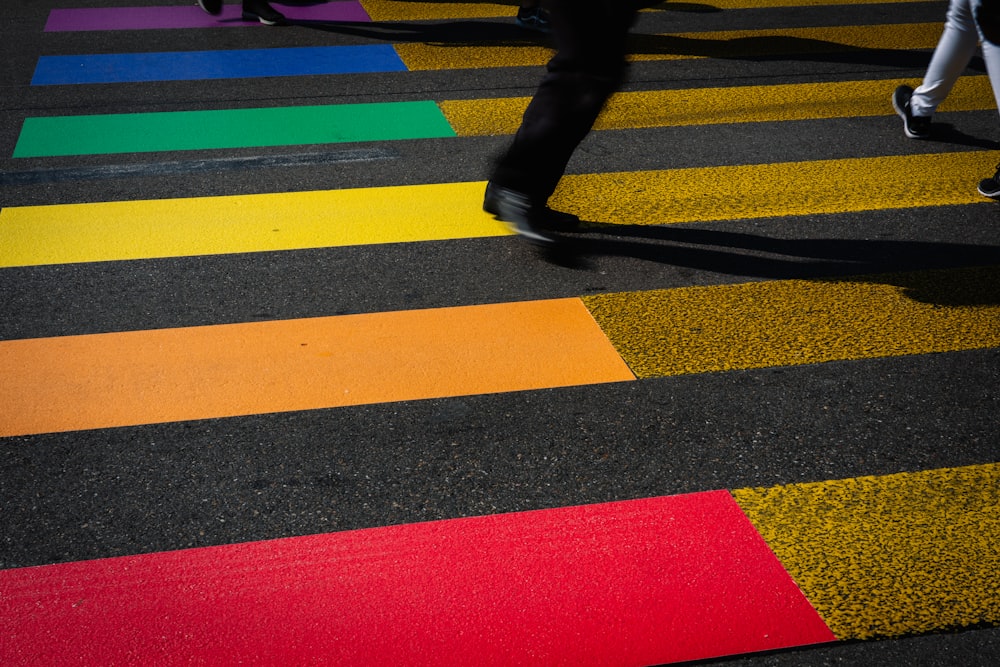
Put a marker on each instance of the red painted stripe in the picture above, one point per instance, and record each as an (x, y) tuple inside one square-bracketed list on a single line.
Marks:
[(638, 582)]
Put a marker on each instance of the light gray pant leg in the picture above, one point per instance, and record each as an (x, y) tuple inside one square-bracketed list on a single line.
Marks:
[(991, 56), (954, 51)]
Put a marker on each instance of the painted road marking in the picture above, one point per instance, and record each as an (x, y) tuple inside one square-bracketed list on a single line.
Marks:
[(131, 378), (734, 44), (709, 106), (198, 130), (639, 582), (297, 61), (206, 65), (190, 16), (111, 231), (890, 556), (93, 232), (180, 167), (772, 190), (142, 377), (407, 10), (647, 581), (793, 322), (129, 133)]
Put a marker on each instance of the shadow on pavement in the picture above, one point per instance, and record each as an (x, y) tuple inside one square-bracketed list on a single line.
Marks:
[(906, 264), (486, 33)]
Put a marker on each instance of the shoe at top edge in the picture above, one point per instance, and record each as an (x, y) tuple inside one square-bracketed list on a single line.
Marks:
[(213, 7)]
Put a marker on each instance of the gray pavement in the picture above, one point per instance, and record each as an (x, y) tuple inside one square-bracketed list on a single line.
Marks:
[(93, 494)]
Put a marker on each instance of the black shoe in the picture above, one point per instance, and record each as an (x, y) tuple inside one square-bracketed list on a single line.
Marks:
[(990, 187), (557, 221), (915, 127), (533, 19), (213, 7), (528, 218), (259, 10)]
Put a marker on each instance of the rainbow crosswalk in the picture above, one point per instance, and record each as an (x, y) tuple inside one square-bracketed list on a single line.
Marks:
[(630, 578)]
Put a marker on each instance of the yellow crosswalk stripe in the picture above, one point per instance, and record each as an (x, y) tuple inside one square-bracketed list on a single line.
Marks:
[(708, 106), (794, 322), (681, 46), (108, 231), (773, 190), (105, 231), (404, 10), (892, 555)]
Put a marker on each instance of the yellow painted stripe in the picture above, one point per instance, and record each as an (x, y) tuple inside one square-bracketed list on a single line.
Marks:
[(94, 232), (142, 377), (404, 10), (681, 46), (709, 106), (890, 556), (794, 322), (107, 231), (770, 190)]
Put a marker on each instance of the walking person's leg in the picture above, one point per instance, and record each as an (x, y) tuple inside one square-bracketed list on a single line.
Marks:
[(588, 67), (954, 50), (990, 187)]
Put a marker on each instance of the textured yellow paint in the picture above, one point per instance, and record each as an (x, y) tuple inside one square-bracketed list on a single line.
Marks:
[(105, 231), (708, 106), (446, 57), (785, 41), (761, 4), (889, 556), (405, 10), (767, 190), (679, 46), (471, 118), (793, 322)]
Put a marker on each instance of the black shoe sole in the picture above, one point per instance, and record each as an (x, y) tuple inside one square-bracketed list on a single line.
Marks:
[(987, 191)]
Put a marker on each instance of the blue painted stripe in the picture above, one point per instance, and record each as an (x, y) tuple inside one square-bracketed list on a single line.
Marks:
[(200, 65)]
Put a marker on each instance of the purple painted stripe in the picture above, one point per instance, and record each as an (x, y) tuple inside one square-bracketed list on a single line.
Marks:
[(190, 16)]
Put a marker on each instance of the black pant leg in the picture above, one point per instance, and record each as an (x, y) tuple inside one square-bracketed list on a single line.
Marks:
[(587, 68)]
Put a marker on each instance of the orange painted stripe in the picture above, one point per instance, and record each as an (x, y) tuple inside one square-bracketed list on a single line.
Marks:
[(121, 379)]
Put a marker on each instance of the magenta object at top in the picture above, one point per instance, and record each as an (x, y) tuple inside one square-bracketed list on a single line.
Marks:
[(191, 16)]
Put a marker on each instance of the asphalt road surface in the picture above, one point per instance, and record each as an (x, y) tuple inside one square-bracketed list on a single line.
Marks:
[(274, 389)]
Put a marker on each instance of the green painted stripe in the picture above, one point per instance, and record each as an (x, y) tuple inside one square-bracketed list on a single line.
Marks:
[(237, 128), (794, 322), (890, 556)]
